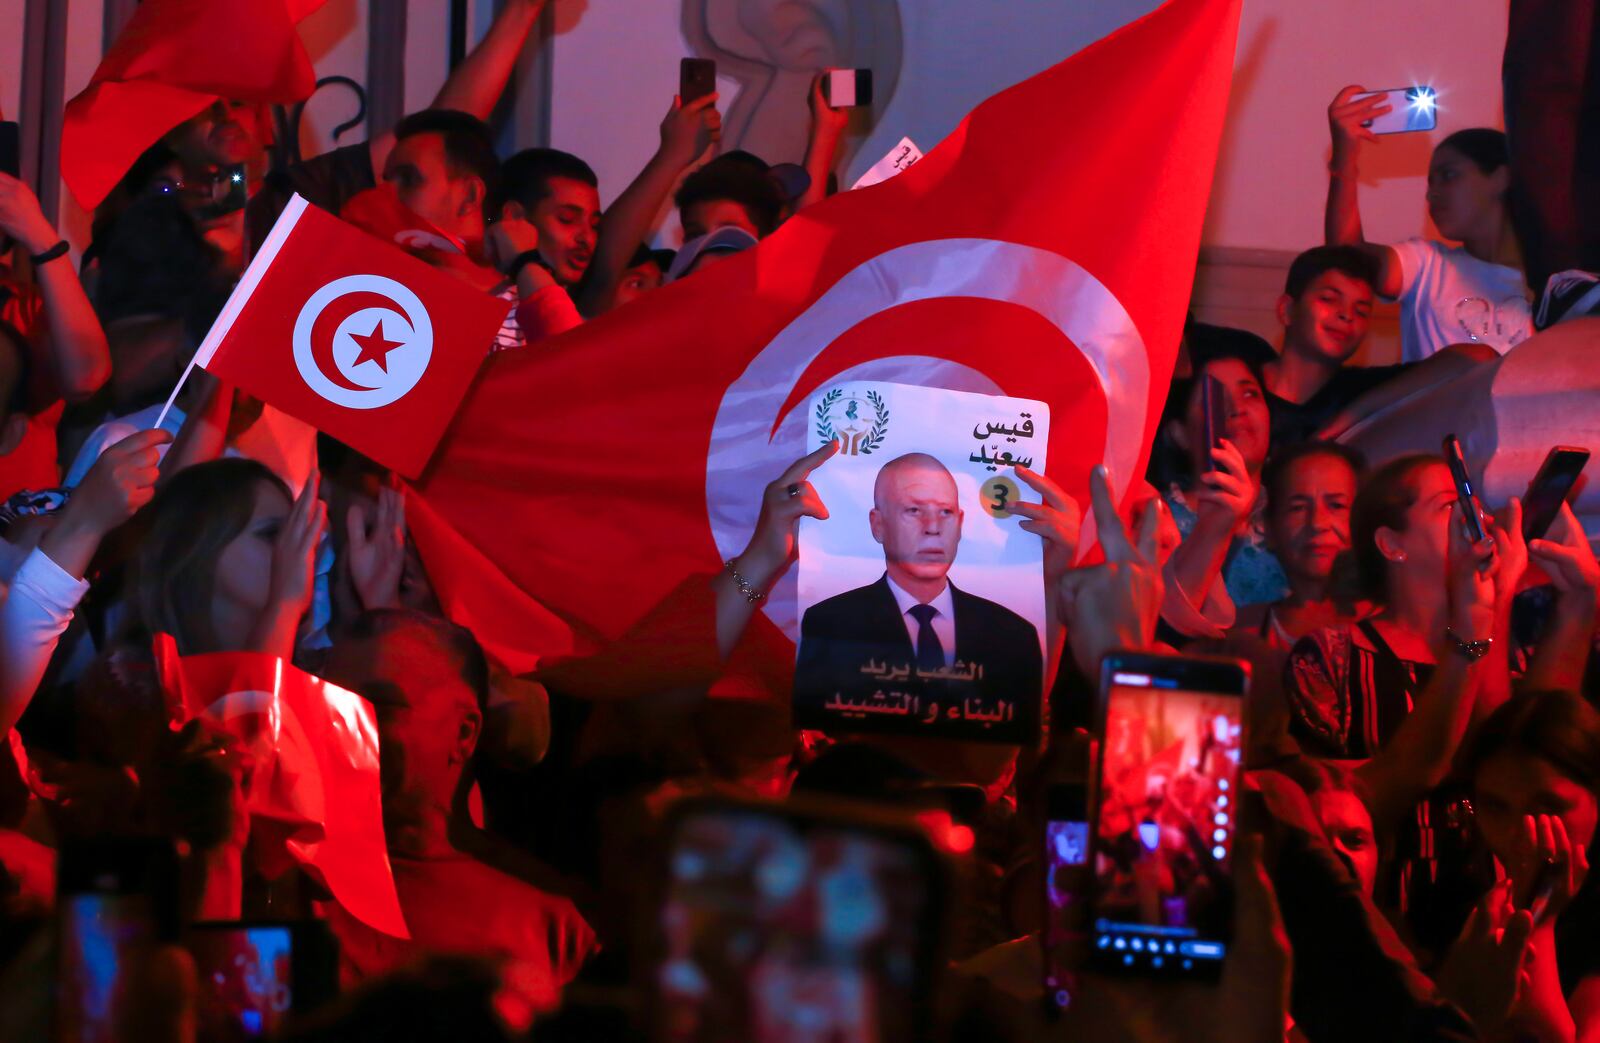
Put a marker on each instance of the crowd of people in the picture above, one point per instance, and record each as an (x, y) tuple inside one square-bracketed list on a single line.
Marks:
[(1422, 724)]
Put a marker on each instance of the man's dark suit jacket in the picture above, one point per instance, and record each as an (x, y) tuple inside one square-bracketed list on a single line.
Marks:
[(839, 635)]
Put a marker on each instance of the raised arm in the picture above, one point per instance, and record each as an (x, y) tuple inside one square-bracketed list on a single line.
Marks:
[(687, 131), (1226, 498), (1563, 653), (78, 348), (822, 147), (476, 84), (1416, 378), (772, 547), (1342, 218), (1419, 755)]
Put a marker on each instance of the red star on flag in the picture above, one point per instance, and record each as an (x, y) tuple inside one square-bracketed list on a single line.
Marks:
[(375, 347)]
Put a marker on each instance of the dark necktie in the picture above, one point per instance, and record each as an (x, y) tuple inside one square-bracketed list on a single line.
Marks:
[(930, 652)]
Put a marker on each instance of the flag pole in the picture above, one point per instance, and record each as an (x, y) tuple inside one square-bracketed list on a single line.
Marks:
[(240, 295)]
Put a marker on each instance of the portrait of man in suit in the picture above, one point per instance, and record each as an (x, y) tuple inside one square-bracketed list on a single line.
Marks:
[(914, 622)]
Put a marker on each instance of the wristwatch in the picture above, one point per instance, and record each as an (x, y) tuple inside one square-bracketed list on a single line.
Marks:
[(58, 250), (525, 258), (1473, 650)]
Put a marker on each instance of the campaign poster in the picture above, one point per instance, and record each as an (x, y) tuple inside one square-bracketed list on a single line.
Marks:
[(921, 598)]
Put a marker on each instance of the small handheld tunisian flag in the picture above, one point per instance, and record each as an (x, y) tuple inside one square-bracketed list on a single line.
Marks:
[(172, 59), (314, 795), (1044, 250), (353, 336)]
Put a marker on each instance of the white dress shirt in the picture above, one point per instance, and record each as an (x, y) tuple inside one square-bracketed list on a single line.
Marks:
[(944, 624)]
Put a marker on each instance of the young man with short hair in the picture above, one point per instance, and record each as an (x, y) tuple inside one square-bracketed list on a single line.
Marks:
[(558, 194), (1326, 309)]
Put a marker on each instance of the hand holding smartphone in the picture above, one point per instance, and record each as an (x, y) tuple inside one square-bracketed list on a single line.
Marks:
[(1213, 416), (1466, 499), (1549, 489), (697, 77), (1411, 109)]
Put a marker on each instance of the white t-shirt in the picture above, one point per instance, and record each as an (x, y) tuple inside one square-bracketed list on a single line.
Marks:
[(1448, 296)]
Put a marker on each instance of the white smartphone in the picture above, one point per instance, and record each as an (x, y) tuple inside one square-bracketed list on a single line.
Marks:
[(1410, 109), (848, 88)]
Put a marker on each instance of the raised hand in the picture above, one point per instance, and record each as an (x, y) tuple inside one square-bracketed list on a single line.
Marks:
[(1483, 971), (1115, 604), (785, 501), (1057, 521), (294, 556), (1472, 579), (688, 130), (377, 549), (1505, 525), (1345, 119), (825, 119), (21, 217), (1566, 557), (120, 482), (1227, 489)]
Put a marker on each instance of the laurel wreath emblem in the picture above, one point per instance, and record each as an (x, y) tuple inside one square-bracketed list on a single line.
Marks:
[(880, 426)]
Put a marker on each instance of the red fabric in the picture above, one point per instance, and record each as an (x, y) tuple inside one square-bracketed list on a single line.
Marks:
[(314, 793), (32, 464), (172, 59), (580, 469), (256, 352), (548, 312)]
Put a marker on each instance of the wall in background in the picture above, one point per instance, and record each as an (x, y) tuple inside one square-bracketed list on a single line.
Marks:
[(613, 69)]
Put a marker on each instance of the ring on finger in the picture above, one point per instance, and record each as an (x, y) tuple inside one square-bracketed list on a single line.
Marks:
[(793, 490)]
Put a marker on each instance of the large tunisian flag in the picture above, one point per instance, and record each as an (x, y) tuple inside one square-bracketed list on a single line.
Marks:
[(1045, 249), (172, 59)]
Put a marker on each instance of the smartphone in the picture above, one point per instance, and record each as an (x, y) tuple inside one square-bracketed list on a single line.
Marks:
[(1213, 414), (1549, 489), (1464, 493), (253, 975), (1066, 889), (806, 920), (1410, 109), (1167, 785), (697, 77), (847, 88), (11, 148), (116, 899)]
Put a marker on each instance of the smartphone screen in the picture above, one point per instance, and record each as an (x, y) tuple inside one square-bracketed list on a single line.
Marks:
[(246, 978), (1164, 829), (778, 925), (1066, 888), (1464, 493), (1410, 109), (116, 899), (697, 77), (10, 148), (1213, 414), (1549, 489)]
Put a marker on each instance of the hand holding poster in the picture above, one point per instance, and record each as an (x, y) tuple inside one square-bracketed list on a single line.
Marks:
[(921, 597)]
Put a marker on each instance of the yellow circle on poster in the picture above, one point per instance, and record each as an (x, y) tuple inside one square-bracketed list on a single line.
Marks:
[(997, 496)]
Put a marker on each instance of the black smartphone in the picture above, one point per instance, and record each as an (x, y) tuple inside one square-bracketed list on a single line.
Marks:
[(697, 77), (253, 975), (802, 920), (1171, 744), (11, 148), (116, 899), (1465, 497), (847, 88), (1213, 415), (1066, 889), (1549, 489)]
